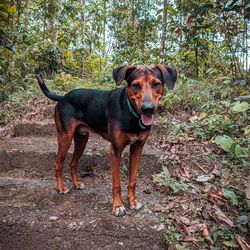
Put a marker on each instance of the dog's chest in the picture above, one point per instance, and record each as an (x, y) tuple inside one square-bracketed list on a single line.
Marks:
[(134, 137)]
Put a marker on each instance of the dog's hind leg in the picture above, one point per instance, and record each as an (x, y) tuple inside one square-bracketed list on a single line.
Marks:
[(80, 141), (64, 142), (65, 133)]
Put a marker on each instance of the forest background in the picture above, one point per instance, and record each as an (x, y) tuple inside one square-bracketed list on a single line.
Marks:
[(88, 38)]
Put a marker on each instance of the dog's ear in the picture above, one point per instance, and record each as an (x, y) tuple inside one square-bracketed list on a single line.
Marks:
[(169, 75), (122, 73)]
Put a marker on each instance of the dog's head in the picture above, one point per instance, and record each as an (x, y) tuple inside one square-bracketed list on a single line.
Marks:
[(146, 87)]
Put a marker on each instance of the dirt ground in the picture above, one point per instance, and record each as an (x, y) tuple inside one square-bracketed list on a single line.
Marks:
[(34, 215)]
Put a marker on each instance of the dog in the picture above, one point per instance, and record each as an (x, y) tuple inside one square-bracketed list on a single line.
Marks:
[(123, 116)]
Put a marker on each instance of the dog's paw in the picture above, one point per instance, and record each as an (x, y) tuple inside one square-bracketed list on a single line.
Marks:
[(137, 206), (63, 190), (119, 211), (80, 186)]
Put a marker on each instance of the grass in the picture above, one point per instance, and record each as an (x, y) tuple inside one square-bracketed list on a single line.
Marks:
[(164, 179)]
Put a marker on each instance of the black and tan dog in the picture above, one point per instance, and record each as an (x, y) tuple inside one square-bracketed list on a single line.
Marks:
[(122, 116)]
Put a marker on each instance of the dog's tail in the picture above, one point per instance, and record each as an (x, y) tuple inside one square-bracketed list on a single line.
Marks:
[(45, 90)]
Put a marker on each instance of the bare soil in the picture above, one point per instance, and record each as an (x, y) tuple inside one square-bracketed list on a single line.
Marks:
[(34, 215)]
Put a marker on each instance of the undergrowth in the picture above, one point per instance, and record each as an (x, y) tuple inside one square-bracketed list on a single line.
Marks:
[(217, 110), (220, 112)]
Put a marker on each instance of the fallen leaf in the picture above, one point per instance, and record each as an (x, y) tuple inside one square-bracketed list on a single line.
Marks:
[(247, 191), (202, 227), (243, 244), (173, 150), (217, 196), (221, 216), (204, 178), (170, 205), (216, 171), (184, 172), (201, 116), (205, 212), (185, 220), (193, 229), (157, 209), (189, 239)]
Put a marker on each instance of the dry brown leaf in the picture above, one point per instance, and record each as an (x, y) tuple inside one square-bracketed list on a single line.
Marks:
[(202, 227), (216, 171), (189, 239), (170, 205), (184, 172), (157, 209), (173, 150), (192, 229), (217, 196), (221, 216), (243, 244), (185, 220)]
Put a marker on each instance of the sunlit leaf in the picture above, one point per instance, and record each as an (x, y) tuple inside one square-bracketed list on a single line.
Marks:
[(12, 10), (247, 131), (239, 107), (193, 118), (225, 142)]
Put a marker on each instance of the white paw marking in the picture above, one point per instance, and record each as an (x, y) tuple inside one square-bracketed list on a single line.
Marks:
[(119, 211), (137, 207), (80, 187)]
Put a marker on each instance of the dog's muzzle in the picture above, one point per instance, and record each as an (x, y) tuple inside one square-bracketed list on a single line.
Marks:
[(147, 113)]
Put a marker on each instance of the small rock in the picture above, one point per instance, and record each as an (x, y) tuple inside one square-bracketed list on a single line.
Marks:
[(53, 218), (158, 227), (242, 220)]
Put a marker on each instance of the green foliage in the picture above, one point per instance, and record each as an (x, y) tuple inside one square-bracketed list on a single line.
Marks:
[(89, 38), (238, 106), (52, 59), (224, 235), (171, 235), (231, 196), (230, 146), (220, 110), (164, 179)]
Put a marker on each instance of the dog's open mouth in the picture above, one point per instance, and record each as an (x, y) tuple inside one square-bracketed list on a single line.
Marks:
[(147, 120)]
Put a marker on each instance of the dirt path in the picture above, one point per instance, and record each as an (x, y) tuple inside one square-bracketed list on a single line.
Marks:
[(33, 214)]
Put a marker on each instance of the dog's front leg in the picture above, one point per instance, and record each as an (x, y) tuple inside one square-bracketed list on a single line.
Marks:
[(135, 155), (115, 160)]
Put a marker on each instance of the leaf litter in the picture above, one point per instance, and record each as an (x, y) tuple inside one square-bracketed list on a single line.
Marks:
[(212, 212)]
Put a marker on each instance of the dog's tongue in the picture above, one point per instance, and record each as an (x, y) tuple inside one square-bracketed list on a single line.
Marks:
[(147, 120)]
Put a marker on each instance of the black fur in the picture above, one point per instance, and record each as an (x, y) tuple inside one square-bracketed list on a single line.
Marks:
[(95, 108)]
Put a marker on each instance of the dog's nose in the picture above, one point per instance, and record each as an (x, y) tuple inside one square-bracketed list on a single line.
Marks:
[(147, 108)]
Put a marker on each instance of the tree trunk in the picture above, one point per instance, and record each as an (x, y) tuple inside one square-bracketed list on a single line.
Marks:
[(104, 26), (83, 35), (164, 31), (246, 43), (196, 59)]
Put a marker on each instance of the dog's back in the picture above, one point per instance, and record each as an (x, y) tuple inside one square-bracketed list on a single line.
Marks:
[(93, 107)]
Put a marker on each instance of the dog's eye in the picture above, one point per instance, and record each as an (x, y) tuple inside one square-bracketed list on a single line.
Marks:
[(156, 85), (136, 86)]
